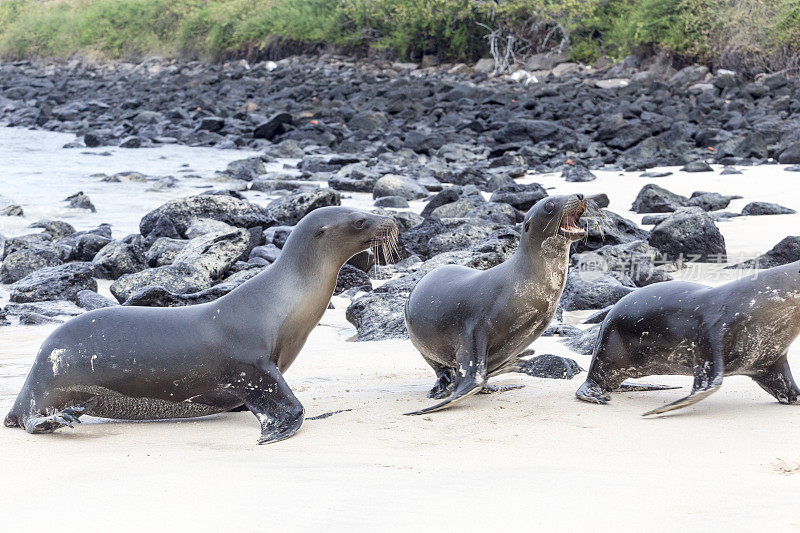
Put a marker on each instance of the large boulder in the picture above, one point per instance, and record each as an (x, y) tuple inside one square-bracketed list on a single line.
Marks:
[(351, 277), (462, 234), (609, 228), (583, 292), (354, 177), (585, 342), (118, 258), (62, 282), (378, 315), (635, 259), (710, 201), (180, 279), (395, 185), (766, 208), (213, 254), (19, 264), (163, 251), (520, 196), (181, 212), (790, 155), (90, 300), (549, 366), (689, 233), (274, 126), (785, 252), (290, 209), (655, 199)]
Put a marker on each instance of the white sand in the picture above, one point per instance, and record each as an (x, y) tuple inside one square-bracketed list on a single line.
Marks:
[(533, 457)]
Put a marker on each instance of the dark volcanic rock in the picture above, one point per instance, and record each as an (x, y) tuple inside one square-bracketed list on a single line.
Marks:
[(90, 300), (246, 169), (785, 252), (163, 251), (118, 258), (19, 264), (550, 366), (290, 209), (396, 202), (655, 199), (12, 211), (378, 315), (182, 212), (577, 173), (80, 201), (394, 185), (689, 233), (519, 196), (585, 342), (57, 229), (83, 246), (593, 292), (710, 201), (635, 260), (766, 208), (180, 279), (50, 308), (62, 282), (610, 229), (791, 155), (274, 126), (351, 277), (213, 254), (354, 177), (697, 166)]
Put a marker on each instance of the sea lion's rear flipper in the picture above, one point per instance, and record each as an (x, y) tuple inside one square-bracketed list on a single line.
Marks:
[(778, 381), (470, 373), (267, 395), (626, 386), (50, 423), (708, 375)]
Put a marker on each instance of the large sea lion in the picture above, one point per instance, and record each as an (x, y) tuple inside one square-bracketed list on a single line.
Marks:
[(470, 324), (744, 327), (143, 363)]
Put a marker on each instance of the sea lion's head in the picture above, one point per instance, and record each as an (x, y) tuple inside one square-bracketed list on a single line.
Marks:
[(555, 216), (344, 231)]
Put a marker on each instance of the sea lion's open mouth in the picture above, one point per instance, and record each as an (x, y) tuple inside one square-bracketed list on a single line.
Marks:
[(570, 218)]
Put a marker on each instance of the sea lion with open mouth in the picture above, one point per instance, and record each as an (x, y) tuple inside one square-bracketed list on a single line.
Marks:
[(145, 363), (472, 324), (744, 327)]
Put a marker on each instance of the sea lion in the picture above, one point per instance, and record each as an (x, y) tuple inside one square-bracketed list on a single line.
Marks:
[(744, 327), (472, 324), (144, 363)]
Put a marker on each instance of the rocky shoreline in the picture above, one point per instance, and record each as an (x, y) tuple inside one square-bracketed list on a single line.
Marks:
[(453, 137)]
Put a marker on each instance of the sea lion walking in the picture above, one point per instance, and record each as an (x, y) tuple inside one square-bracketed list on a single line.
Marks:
[(143, 363), (470, 324), (744, 327)]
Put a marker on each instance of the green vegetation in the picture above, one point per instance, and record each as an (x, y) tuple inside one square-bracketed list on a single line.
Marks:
[(754, 33)]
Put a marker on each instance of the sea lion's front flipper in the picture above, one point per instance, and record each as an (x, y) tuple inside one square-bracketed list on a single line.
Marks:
[(778, 381), (269, 397), (708, 375), (49, 423), (470, 373)]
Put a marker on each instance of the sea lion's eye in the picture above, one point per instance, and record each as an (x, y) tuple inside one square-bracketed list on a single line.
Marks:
[(549, 206), (360, 223)]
